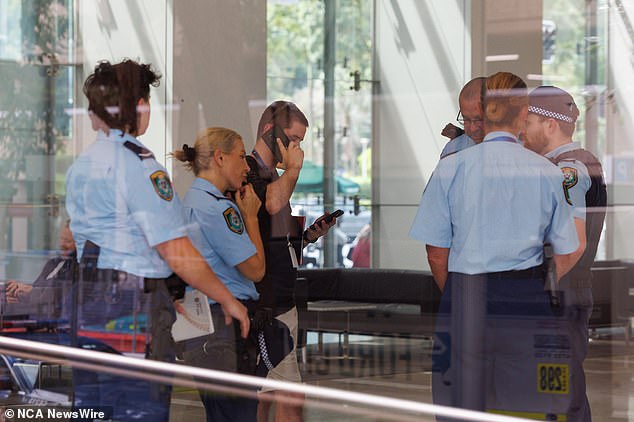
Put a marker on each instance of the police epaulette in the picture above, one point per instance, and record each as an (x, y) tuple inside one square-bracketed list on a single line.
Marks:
[(142, 153), (219, 198)]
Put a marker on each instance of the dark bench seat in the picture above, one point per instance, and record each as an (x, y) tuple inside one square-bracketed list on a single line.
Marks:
[(404, 302), (397, 302)]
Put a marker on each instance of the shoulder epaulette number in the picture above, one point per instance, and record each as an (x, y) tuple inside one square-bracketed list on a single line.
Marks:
[(142, 153)]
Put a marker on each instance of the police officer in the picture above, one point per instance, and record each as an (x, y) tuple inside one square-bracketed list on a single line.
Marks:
[(227, 234), (550, 125), (129, 226), (281, 128), (469, 116), (484, 217)]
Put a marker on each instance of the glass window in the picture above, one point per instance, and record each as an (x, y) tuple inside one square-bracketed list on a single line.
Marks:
[(296, 71), (381, 83)]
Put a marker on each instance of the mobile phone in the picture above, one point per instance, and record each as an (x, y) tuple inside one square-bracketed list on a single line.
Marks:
[(270, 139), (328, 218)]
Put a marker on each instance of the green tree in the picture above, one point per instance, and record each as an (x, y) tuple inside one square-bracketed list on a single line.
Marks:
[(32, 116), (568, 67), (295, 56)]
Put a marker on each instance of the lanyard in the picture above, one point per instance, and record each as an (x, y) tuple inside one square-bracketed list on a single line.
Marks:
[(261, 162), (502, 139)]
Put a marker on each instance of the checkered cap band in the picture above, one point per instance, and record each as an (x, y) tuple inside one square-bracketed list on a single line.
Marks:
[(551, 114)]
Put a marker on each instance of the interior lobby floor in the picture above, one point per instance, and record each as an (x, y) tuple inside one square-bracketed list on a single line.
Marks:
[(400, 368)]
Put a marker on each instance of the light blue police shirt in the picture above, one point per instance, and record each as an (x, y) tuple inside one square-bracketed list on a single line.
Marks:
[(494, 206), (123, 204), (217, 230), (576, 177), (457, 144)]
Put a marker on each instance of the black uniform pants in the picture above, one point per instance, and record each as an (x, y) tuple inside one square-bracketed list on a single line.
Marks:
[(225, 350), (104, 297), (495, 334), (578, 302)]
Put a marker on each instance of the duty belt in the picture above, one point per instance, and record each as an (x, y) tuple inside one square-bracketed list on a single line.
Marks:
[(533, 272), (175, 285), (89, 272)]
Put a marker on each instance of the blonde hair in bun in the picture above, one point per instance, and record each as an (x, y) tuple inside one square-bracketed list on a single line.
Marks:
[(504, 95), (200, 156)]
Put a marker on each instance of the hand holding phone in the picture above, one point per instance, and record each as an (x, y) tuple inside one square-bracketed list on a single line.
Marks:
[(270, 139), (316, 227), (326, 219)]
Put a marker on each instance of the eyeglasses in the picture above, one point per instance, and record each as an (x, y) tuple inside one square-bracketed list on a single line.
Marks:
[(460, 119)]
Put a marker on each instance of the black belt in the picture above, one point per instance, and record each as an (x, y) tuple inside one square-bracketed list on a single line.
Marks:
[(533, 272), (154, 280), (150, 284)]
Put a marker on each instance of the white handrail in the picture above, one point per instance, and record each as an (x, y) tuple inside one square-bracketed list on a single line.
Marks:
[(165, 372)]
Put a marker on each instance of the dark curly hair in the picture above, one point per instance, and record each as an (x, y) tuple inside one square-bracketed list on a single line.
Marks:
[(114, 90)]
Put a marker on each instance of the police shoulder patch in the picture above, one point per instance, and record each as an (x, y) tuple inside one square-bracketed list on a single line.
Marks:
[(570, 180), (233, 220), (162, 185)]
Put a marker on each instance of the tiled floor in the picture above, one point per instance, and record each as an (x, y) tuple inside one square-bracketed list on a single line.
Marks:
[(400, 369)]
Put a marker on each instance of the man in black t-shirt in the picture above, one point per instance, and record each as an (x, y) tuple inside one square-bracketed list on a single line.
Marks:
[(281, 129)]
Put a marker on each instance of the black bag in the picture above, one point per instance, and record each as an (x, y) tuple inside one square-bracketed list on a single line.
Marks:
[(274, 342)]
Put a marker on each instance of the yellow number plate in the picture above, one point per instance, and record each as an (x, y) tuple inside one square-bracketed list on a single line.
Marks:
[(553, 378)]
